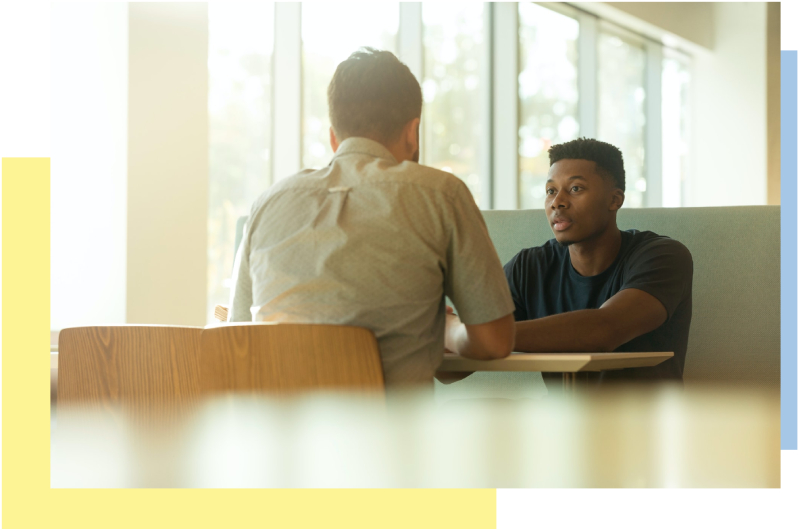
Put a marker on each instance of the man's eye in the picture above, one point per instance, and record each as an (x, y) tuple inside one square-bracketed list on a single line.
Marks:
[(575, 189), (550, 191)]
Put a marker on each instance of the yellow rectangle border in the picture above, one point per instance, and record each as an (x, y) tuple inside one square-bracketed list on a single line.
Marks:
[(28, 500)]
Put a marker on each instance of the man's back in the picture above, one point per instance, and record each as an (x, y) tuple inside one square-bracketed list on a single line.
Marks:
[(372, 243)]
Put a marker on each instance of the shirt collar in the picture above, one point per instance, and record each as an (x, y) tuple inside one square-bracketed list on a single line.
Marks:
[(355, 145)]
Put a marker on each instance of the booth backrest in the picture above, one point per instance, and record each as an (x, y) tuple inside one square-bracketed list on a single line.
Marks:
[(735, 331)]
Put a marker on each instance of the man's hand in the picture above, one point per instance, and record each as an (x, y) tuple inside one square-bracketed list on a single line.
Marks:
[(448, 377), (451, 322)]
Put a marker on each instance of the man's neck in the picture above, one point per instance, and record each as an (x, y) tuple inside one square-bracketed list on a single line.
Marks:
[(594, 256)]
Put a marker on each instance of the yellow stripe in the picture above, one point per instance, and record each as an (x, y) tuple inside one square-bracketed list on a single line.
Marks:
[(26, 334)]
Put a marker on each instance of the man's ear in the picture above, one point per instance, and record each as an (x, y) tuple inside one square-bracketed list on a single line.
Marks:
[(617, 199), (411, 136), (334, 141)]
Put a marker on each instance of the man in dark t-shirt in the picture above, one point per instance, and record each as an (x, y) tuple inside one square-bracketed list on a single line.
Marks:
[(594, 287)]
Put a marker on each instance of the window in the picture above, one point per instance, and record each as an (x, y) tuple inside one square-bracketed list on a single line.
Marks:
[(621, 115), (548, 94), (453, 91), (573, 74), (331, 31), (240, 128)]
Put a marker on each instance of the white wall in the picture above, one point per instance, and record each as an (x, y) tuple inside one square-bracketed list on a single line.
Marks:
[(167, 261), (89, 75), (693, 21), (730, 123)]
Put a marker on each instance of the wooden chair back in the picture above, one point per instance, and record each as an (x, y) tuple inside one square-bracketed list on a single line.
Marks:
[(140, 367), (284, 359)]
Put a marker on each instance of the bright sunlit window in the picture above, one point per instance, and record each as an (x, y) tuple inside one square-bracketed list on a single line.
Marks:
[(240, 128), (548, 94), (453, 91), (621, 114)]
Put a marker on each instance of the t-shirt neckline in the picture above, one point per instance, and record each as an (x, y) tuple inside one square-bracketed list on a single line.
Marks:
[(626, 237)]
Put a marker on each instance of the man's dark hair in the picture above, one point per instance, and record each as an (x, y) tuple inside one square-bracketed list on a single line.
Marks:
[(373, 95), (607, 157)]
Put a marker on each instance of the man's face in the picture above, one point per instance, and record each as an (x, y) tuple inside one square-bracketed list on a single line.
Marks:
[(579, 202)]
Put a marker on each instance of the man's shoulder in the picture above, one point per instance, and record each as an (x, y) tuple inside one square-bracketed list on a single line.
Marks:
[(427, 178), (648, 241), (298, 180), (407, 173), (544, 255)]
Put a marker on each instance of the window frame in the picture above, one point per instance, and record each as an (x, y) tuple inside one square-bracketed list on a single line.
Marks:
[(688, 61)]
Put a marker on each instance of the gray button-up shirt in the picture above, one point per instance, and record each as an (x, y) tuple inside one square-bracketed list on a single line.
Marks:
[(369, 242)]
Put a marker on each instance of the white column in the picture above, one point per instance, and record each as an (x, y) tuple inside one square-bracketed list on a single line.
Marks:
[(486, 155), (409, 45), (287, 91), (587, 75), (167, 260), (652, 131), (505, 95)]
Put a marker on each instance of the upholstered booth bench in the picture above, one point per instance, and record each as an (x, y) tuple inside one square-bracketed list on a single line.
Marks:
[(735, 331)]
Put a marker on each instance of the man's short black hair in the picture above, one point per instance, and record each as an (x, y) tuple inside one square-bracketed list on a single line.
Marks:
[(373, 95), (607, 157)]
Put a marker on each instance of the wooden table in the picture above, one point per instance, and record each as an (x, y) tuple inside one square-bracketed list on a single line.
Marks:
[(569, 364)]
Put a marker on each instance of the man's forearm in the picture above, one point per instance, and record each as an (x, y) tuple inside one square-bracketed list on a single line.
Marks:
[(580, 330), (483, 341)]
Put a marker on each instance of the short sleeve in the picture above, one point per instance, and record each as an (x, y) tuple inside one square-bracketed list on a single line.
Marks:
[(242, 284), (474, 278), (516, 278), (663, 268)]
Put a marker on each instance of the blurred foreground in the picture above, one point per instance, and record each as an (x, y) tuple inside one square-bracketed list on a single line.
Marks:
[(633, 437)]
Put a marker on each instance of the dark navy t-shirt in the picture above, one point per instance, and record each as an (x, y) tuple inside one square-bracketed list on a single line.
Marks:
[(543, 282)]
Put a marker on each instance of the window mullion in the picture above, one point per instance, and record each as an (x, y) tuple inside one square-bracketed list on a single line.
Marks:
[(505, 107), (587, 75), (652, 135), (486, 156), (287, 91), (409, 45)]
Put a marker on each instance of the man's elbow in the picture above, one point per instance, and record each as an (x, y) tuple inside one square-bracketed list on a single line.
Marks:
[(499, 343), (506, 345), (501, 352), (496, 351), (489, 353), (608, 341)]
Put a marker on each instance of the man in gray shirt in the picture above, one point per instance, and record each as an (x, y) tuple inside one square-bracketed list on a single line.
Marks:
[(376, 240)]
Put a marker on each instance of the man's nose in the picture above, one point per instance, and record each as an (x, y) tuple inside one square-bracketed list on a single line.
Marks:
[(559, 201)]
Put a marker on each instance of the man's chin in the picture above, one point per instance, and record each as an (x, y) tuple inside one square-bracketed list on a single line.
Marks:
[(564, 241)]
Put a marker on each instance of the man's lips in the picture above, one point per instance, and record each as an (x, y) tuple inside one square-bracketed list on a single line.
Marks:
[(561, 223)]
